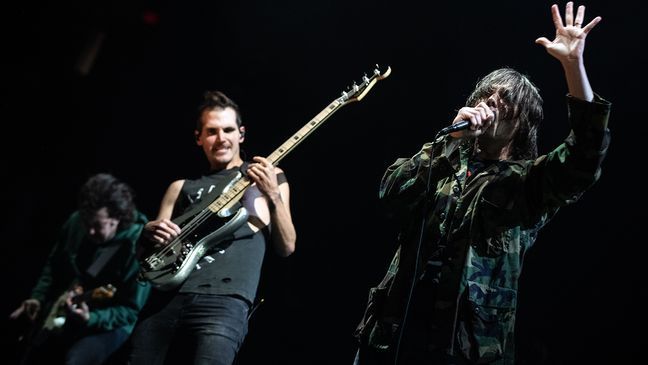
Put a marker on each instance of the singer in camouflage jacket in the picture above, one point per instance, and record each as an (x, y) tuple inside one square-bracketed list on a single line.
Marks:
[(477, 231)]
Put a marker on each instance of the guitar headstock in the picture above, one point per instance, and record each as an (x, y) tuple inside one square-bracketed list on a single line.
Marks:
[(103, 292), (358, 91)]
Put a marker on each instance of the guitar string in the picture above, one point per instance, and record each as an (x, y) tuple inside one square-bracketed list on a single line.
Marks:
[(189, 228)]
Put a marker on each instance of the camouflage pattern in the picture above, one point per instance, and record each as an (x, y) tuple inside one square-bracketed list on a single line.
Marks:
[(477, 232)]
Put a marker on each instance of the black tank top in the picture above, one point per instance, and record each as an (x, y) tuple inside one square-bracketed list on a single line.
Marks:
[(234, 267)]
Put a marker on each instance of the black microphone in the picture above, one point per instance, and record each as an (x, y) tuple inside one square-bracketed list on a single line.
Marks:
[(460, 125)]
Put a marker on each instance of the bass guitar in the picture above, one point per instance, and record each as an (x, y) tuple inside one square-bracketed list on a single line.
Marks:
[(214, 221)]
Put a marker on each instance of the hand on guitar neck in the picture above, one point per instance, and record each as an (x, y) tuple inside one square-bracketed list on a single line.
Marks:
[(73, 305), (76, 308), (76, 301)]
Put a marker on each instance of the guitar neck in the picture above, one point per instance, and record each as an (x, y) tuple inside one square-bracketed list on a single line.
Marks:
[(99, 293), (304, 132), (226, 199)]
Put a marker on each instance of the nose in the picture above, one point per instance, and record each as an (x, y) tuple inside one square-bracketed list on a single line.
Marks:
[(220, 135), (492, 101), (493, 104)]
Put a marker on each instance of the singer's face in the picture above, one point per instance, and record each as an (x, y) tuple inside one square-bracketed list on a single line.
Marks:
[(506, 123), (220, 138)]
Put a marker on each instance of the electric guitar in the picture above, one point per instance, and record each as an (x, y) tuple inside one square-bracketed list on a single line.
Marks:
[(57, 314), (40, 331), (214, 221)]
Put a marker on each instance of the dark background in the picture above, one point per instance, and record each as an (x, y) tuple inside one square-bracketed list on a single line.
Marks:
[(130, 111)]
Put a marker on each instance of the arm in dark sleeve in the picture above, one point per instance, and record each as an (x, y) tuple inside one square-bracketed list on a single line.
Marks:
[(563, 175), (404, 183)]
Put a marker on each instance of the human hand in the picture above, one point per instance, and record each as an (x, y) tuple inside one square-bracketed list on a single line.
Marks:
[(480, 117), (569, 44), (263, 174), (77, 312), (29, 307), (161, 231)]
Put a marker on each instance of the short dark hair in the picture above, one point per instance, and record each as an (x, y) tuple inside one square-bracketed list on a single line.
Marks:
[(216, 100), (105, 190), (524, 97)]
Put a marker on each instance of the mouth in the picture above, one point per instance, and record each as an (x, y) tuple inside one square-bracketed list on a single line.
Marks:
[(221, 149)]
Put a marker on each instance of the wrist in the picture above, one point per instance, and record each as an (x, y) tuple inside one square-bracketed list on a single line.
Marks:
[(274, 200)]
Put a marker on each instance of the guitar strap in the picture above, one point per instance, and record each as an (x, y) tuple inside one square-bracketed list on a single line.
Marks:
[(102, 259)]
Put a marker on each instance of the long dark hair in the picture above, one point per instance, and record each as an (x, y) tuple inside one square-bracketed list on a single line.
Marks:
[(524, 98)]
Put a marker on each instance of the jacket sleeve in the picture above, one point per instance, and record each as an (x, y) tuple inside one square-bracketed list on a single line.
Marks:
[(563, 175), (404, 183)]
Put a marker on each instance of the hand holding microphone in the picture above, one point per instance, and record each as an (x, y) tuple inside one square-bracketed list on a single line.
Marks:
[(470, 121)]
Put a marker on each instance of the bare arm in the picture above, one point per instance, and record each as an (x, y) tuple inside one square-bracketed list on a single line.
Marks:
[(271, 205), (162, 229), (568, 48)]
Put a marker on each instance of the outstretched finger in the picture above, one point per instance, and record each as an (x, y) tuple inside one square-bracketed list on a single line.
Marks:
[(591, 24), (569, 14), (580, 16), (555, 15)]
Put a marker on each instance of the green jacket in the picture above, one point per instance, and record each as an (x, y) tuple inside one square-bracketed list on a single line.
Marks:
[(477, 232), (73, 254)]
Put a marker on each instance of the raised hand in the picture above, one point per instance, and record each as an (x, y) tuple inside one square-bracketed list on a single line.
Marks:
[(569, 43)]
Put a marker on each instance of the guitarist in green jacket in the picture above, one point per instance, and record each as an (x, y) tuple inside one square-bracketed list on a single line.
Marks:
[(87, 299)]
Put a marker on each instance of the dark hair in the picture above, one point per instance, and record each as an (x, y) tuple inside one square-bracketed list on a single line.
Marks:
[(104, 190), (216, 100), (526, 103)]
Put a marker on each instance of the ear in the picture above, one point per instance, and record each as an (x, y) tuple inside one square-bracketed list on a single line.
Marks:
[(197, 135), (242, 131)]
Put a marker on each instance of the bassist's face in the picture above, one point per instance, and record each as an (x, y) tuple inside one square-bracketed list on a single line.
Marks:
[(220, 138)]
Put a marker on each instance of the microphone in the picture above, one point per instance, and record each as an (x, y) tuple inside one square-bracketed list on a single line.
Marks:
[(460, 125)]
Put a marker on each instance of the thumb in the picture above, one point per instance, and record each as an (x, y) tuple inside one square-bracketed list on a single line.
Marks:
[(543, 41)]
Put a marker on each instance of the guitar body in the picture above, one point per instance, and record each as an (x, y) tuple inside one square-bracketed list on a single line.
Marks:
[(56, 316), (52, 325), (168, 268), (202, 230)]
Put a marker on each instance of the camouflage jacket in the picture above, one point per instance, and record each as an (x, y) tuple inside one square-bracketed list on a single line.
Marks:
[(477, 232)]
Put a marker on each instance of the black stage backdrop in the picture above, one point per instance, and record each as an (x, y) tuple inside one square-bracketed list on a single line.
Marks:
[(90, 87)]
